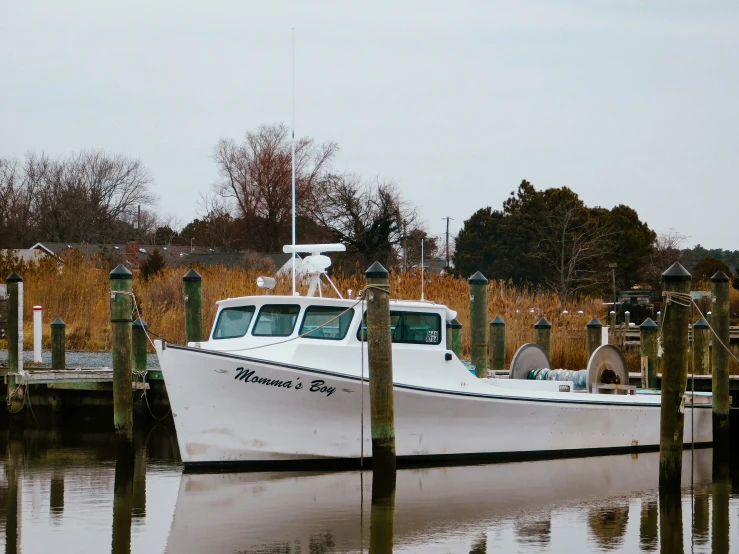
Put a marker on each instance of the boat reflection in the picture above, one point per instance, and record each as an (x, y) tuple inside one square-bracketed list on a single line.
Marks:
[(433, 507)]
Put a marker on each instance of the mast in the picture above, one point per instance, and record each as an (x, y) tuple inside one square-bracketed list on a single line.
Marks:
[(293, 161)]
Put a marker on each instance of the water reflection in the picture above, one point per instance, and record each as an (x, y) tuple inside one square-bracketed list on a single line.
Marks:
[(382, 519), (479, 546), (648, 525), (701, 514), (670, 520), (534, 530), (103, 498), (608, 524), (123, 498)]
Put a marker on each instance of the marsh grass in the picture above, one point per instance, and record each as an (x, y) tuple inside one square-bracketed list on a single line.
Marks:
[(78, 292)]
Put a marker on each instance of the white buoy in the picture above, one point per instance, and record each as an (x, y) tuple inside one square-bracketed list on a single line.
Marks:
[(604, 335), (37, 327)]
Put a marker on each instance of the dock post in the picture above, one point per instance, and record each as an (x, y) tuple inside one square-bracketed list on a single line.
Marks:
[(192, 286), (15, 340), (648, 349), (448, 335), (38, 318), (543, 336), (701, 347), (58, 344), (720, 364), (497, 343), (380, 353), (121, 311), (674, 376), (595, 335), (478, 324), (456, 328), (627, 325), (138, 332), (612, 325)]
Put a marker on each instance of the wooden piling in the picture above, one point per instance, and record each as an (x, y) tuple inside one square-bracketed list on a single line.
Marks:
[(478, 324), (497, 343), (701, 347), (612, 325), (674, 376), (192, 286), (595, 335), (140, 341), (58, 344), (379, 347), (720, 362), (627, 325), (15, 393), (648, 349), (543, 335), (121, 312), (456, 328)]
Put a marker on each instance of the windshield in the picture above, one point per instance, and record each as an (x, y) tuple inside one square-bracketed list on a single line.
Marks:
[(233, 322)]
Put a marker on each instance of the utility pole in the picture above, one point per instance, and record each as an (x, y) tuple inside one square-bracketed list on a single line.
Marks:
[(447, 238), (613, 267)]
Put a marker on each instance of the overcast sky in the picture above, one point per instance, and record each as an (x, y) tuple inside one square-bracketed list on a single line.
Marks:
[(625, 102)]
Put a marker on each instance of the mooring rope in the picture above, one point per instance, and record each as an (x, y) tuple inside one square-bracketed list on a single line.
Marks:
[(686, 301)]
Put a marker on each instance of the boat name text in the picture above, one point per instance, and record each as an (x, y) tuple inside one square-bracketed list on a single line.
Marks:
[(249, 376)]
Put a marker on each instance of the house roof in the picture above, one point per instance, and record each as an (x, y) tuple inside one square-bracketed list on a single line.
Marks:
[(174, 255)]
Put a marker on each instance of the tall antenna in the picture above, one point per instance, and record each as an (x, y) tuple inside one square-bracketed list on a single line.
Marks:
[(293, 160), (447, 239)]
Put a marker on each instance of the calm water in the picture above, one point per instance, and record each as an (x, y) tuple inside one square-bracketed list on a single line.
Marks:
[(79, 359), (74, 493)]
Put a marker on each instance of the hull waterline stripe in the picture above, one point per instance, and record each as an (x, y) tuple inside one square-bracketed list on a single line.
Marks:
[(427, 460), (422, 389)]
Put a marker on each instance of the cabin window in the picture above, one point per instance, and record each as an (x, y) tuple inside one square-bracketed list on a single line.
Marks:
[(410, 328), (233, 322), (276, 320), (335, 322)]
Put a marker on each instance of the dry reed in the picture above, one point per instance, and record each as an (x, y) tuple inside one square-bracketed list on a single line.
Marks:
[(78, 293)]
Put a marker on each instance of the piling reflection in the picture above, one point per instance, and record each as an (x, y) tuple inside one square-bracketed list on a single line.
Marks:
[(720, 495), (382, 516), (56, 494), (648, 526), (608, 525), (670, 520), (123, 498), (534, 531), (701, 516), (13, 468), (480, 546), (138, 509)]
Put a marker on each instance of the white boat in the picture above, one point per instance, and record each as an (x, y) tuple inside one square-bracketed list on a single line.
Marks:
[(283, 381)]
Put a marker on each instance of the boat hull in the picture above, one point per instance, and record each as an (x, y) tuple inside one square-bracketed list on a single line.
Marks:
[(231, 410)]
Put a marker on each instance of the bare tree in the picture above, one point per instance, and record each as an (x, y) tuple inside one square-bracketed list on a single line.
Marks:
[(667, 250), (369, 219), (256, 176), (573, 245), (16, 205)]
